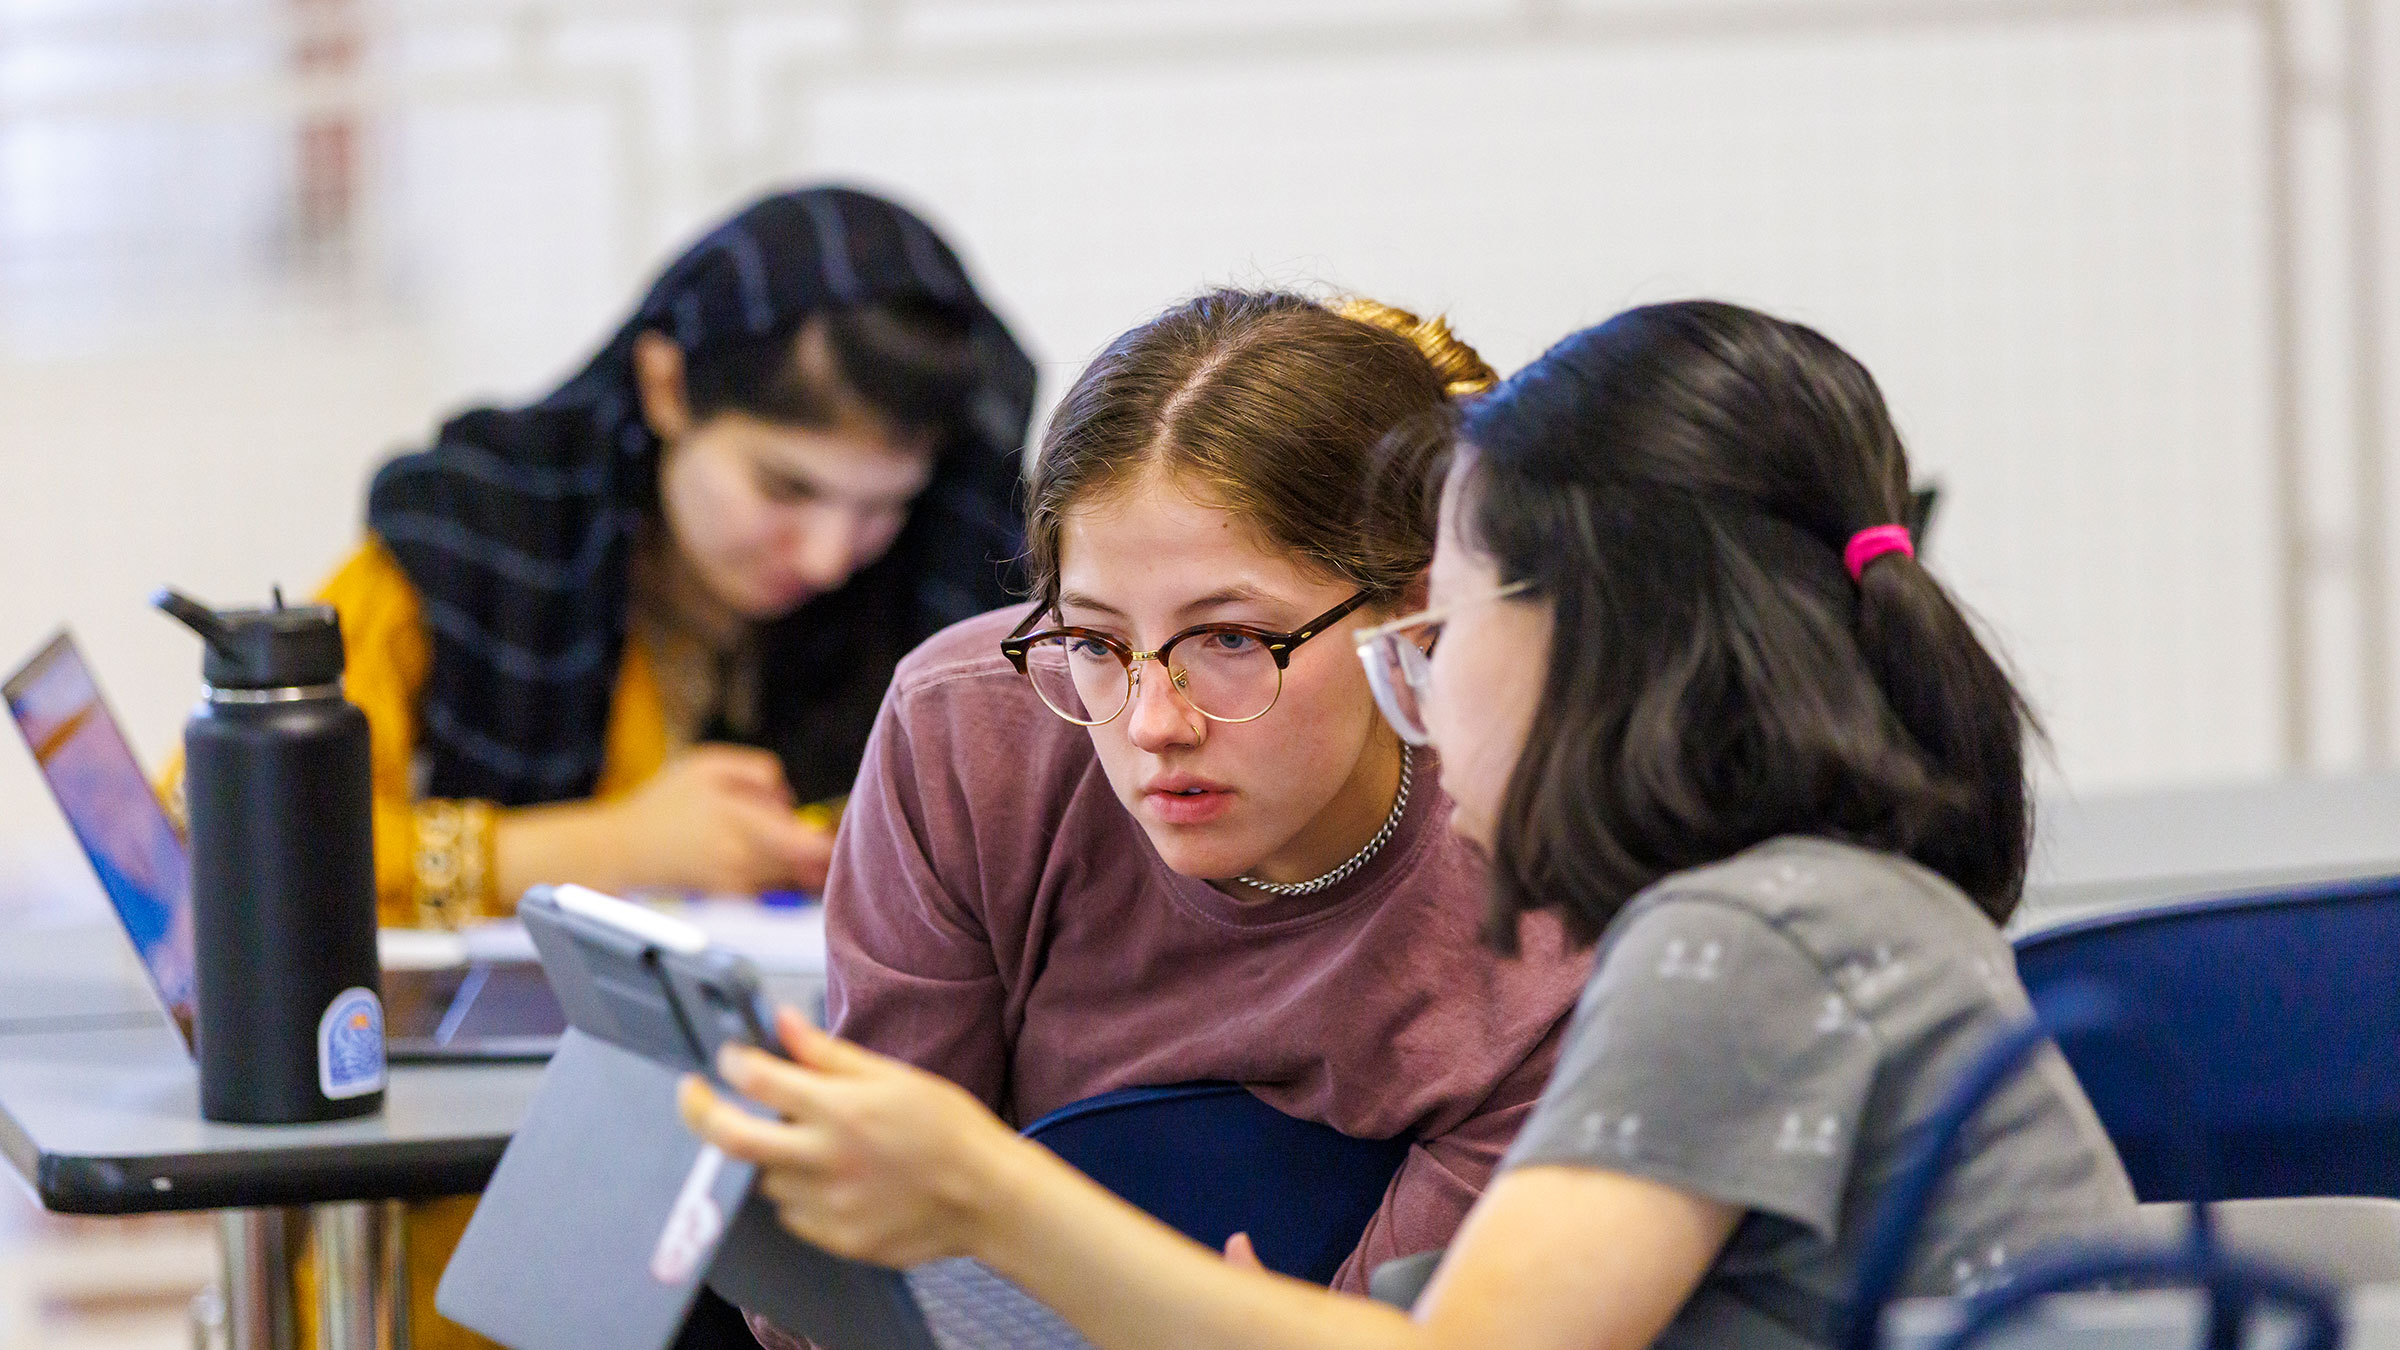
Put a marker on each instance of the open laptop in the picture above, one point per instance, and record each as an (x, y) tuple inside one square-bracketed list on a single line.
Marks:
[(480, 1010)]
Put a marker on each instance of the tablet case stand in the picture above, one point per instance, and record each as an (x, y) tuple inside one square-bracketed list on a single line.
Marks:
[(606, 1215)]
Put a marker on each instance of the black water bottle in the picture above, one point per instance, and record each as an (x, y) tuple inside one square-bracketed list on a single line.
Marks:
[(276, 777)]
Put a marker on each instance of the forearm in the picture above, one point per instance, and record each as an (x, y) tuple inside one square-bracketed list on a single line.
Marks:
[(1122, 1278), (566, 841), (870, 1158)]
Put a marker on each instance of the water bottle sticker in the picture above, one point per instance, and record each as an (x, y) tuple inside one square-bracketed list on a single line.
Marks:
[(350, 1045)]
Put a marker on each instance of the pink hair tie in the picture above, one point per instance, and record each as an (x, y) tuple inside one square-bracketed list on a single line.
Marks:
[(1873, 542)]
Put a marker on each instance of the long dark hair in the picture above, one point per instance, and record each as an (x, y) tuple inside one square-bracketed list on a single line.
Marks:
[(908, 363), (1679, 483)]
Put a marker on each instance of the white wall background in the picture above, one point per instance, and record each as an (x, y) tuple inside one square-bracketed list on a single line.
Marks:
[(2106, 258)]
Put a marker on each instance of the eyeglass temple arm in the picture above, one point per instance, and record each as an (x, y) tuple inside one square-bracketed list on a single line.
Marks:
[(1026, 625), (1286, 643)]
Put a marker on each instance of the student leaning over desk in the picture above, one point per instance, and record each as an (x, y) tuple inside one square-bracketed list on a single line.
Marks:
[(1695, 694), (617, 635)]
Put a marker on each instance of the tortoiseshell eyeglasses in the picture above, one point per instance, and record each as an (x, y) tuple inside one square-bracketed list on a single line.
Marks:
[(1228, 672)]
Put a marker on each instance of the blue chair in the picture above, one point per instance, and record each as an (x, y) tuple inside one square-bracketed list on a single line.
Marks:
[(2284, 1008), (2239, 1284), (1211, 1160)]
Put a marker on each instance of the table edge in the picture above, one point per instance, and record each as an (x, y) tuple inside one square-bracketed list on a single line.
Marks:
[(132, 1183)]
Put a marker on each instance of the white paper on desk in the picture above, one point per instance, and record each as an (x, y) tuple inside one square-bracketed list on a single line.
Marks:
[(498, 940), (780, 940), (441, 949), (419, 949)]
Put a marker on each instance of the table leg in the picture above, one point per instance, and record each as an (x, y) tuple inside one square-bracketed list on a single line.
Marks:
[(395, 1275), (361, 1251), (256, 1250), (362, 1276)]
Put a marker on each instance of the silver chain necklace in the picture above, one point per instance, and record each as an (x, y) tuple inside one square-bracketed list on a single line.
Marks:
[(1357, 860)]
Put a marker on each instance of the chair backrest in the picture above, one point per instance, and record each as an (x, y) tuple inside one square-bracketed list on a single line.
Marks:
[(1211, 1160), (2283, 1010)]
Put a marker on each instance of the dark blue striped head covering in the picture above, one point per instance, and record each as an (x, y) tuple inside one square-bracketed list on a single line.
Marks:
[(517, 527)]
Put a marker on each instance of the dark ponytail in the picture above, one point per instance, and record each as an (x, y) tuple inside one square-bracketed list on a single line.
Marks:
[(1959, 705), (1680, 484)]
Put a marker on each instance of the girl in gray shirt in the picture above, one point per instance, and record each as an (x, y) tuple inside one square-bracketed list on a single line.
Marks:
[(1766, 1031), (1694, 697)]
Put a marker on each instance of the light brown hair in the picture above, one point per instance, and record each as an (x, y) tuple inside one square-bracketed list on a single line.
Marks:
[(1272, 404)]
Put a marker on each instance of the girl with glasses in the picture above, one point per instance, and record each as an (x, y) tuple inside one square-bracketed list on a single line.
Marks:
[(1150, 829), (1696, 695)]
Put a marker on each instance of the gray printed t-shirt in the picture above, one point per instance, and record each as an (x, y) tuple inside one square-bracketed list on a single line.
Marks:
[(1766, 1031)]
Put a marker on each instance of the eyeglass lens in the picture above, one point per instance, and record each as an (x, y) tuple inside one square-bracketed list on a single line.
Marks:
[(1226, 676), (1397, 671)]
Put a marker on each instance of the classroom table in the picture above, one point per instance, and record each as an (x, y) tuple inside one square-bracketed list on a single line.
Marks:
[(2103, 851), (99, 1110)]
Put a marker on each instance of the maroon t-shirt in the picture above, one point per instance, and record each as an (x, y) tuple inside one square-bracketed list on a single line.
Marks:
[(996, 915)]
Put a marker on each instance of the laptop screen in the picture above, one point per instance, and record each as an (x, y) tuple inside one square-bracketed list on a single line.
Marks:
[(115, 814)]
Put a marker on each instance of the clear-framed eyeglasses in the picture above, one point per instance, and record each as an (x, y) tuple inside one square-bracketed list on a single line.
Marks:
[(1227, 672), (1399, 660)]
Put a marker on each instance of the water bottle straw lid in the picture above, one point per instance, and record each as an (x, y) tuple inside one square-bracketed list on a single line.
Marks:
[(288, 646)]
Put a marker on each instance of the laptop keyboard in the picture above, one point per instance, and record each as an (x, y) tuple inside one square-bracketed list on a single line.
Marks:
[(970, 1308)]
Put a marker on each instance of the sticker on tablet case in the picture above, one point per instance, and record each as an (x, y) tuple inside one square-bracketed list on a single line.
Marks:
[(693, 1225), (350, 1045)]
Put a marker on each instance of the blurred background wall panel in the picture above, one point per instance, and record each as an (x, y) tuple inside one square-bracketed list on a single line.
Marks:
[(2117, 263)]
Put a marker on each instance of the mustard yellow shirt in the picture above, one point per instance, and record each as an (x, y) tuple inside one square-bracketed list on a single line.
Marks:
[(433, 858)]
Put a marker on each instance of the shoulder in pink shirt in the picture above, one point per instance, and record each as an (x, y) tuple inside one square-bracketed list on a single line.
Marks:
[(995, 915)]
